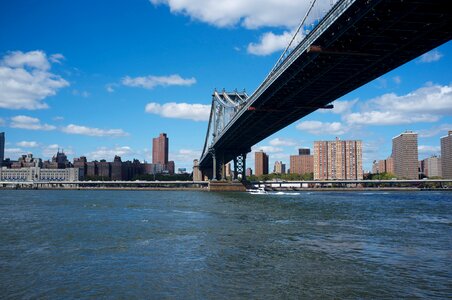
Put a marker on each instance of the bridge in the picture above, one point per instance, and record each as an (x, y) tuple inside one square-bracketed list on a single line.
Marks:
[(355, 42)]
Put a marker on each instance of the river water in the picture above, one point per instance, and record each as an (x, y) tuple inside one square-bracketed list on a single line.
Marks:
[(200, 245)]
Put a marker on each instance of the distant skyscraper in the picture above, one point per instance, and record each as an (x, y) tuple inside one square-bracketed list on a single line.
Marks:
[(260, 163), (248, 172), (338, 160), (446, 155), (302, 163), (279, 167), (160, 150), (2, 147), (405, 155)]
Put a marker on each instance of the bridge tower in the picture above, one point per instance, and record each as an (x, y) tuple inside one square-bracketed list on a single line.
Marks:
[(224, 107)]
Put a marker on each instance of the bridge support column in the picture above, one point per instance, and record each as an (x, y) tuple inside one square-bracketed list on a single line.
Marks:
[(214, 166), (240, 166)]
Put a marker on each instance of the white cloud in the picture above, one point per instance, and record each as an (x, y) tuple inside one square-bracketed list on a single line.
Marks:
[(56, 58), (250, 14), (26, 144), (427, 150), (149, 82), (25, 122), (83, 94), (33, 59), (319, 128), (387, 118), (185, 157), (270, 43), (109, 153), (397, 79), (83, 130), (14, 153), (426, 104), (267, 149), (196, 112), (110, 87), (431, 56), (437, 130), (25, 80), (282, 142), (58, 118), (2, 122), (341, 107), (51, 150)]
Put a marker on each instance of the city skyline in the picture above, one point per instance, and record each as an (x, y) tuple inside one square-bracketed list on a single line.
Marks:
[(103, 88)]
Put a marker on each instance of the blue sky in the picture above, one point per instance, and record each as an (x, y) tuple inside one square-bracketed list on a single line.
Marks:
[(99, 78)]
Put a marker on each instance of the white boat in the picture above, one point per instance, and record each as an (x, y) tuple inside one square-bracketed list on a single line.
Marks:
[(258, 191)]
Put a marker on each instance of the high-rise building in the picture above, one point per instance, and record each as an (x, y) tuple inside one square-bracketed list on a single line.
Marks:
[(431, 167), (337, 160), (446, 155), (405, 155), (249, 172), (383, 166), (279, 168), (2, 147), (160, 150), (116, 168), (260, 163), (302, 163)]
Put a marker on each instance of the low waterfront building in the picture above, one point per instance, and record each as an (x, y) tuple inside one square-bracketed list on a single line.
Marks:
[(39, 174)]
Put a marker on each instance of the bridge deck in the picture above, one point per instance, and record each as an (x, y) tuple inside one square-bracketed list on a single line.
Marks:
[(369, 39)]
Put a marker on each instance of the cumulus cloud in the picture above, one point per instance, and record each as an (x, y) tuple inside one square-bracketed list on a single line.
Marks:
[(149, 82), (320, 128), (51, 150), (427, 150), (56, 58), (270, 43), (185, 157), (250, 14), (282, 142), (436, 130), (14, 153), (25, 80), (89, 131), (109, 153), (26, 122), (426, 104), (26, 144), (195, 112), (431, 56), (267, 149)]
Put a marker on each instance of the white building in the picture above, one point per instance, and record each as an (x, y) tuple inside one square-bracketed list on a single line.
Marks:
[(38, 174)]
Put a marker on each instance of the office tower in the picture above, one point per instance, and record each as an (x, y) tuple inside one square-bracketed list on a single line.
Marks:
[(431, 167), (446, 155), (2, 147), (405, 155), (302, 163), (341, 160), (260, 163), (160, 150), (279, 168)]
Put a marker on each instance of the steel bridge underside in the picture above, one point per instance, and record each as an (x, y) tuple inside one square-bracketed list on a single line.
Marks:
[(368, 39)]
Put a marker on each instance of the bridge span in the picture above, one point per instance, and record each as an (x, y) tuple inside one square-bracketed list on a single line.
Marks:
[(354, 43)]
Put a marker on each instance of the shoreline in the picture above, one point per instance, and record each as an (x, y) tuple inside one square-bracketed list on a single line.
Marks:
[(198, 189)]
